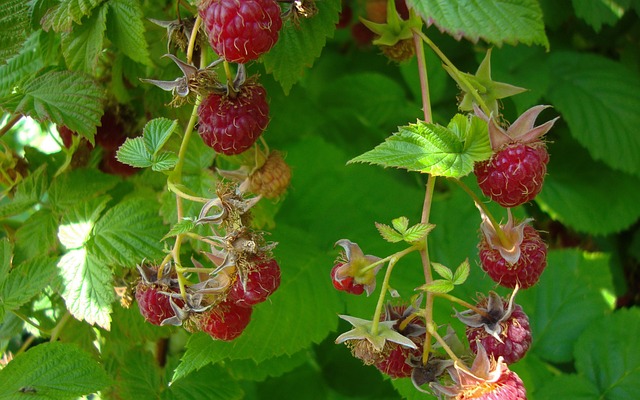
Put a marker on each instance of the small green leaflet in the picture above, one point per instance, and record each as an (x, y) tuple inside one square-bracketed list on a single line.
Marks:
[(401, 231), (54, 371), (495, 21), (434, 149), (450, 278), (145, 151), (63, 97), (298, 47), (438, 286), (184, 226), (443, 271)]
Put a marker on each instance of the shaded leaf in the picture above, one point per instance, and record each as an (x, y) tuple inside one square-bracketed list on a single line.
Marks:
[(568, 386), (82, 46), (126, 30), (79, 185), (14, 26), (211, 382), (26, 281), (598, 13), (62, 16)]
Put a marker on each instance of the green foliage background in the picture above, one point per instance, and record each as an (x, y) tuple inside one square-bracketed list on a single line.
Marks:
[(68, 238)]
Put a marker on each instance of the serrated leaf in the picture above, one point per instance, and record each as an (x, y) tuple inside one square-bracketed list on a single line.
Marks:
[(63, 97), (25, 281), (6, 254), (298, 47), (82, 46), (87, 287), (305, 310), (126, 30), (433, 149), (164, 161), (495, 21), (437, 286), (388, 233), (28, 193), (417, 232), (184, 226), (443, 271), (14, 26), (138, 375), (127, 233), (462, 273), (610, 361), (400, 224), (568, 386), (52, 371), (62, 16), (156, 133), (598, 13), (134, 152), (22, 66), (79, 185), (568, 297), (272, 367), (78, 222), (599, 99), (576, 189), (38, 235)]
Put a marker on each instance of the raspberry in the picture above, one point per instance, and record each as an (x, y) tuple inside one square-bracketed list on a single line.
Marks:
[(503, 330), (241, 30), (526, 271), (111, 165), (514, 175), (231, 124), (346, 284), (227, 321), (260, 284), (272, 179), (154, 306), (396, 364)]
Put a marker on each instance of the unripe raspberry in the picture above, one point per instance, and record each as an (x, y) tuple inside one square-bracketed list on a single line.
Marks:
[(230, 124), (241, 30), (272, 179)]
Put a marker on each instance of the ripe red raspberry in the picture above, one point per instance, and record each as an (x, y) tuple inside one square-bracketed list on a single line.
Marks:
[(226, 321), (260, 284), (241, 30), (503, 330), (230, 124), (396, 362), (526, 271), (272, 179), (154, 306), (347, 284), (515, 174)]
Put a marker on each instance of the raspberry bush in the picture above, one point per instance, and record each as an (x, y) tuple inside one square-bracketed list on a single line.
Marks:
[(185, 211)]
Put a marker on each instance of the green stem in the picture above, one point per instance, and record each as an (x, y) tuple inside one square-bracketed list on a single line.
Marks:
[(197, 270), (55, 332), (504, 240), (7, 127), (28, 321), (432, 330), (383, 291), (174, 188), (426, 265), (466, 86), (463, 303), (397, 255), (192, 39), (25, 345), (424, 80)]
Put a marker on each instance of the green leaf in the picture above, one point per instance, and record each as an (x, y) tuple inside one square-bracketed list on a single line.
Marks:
[(63, 97), (388, 233), (434, 149), (304, 308), (28, 193), (211, 382), (22, 66), (164, 161), (495, 21), (38, 235), (298, 47), (6, 254), (62, 16), (574, 387), (400, 224), (138, 375), (578, 192), (126, 30), (417, 232), (569, 296), (184, 226), (127, 233), (52, 371), (78, 222), (82, 46), (14, 26), (26, 281), (156, 133), (462, 273), (599, 99), (272, 367), (443, 271), (134, 152), (610, 360), (437, 286), (87, 287), (79, 185), (598, 13)]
